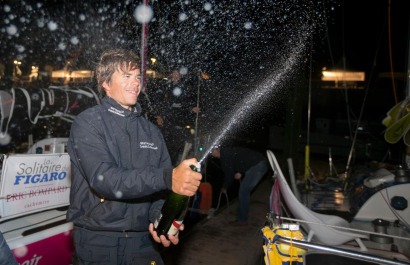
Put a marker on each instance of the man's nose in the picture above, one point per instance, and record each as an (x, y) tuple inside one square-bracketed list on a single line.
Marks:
[(136, 81)]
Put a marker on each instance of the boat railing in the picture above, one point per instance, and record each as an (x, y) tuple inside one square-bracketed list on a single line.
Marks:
[(338, 251)]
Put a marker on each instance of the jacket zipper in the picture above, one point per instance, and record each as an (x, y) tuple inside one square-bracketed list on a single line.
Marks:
[(130, 157)]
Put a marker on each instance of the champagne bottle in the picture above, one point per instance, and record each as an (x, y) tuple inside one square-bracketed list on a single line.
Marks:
[(173, 212)]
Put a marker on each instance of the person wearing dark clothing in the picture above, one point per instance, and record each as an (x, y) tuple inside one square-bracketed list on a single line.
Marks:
[(152, 101), (175, 109), (120, 170), (244, 164)]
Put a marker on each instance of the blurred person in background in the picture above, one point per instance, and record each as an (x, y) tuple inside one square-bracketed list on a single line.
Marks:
[(246, 165), (175, 108)]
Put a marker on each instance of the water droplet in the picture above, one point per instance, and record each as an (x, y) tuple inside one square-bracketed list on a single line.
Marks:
[(183, 70), (74, 40), (143, 13), (248, 25), (183, 16), (207, 6), (12, 30), (5, 138), (62, 46), (177, 91), (52, 25), (20, 251)]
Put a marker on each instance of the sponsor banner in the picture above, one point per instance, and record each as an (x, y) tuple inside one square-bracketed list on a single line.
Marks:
[(47, 248), (34, 182)]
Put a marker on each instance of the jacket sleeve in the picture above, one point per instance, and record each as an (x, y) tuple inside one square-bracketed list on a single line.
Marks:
[(89, 152)]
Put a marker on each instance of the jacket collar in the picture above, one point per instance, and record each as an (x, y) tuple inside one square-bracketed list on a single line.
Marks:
[(112, 106)]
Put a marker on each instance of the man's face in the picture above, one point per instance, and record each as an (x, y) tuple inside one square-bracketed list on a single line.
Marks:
[(124, 87), (216, 153), (175, 76)]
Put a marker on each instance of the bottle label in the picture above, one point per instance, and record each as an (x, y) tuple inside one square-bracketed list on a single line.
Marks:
[(173, 230)]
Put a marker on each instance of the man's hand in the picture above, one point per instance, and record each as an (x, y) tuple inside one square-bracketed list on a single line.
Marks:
[(238, 176), (196, 109), (162, 239), (186, 181), (159, 120)]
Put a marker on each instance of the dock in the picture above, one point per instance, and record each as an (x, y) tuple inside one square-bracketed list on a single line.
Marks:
[(214, 241)]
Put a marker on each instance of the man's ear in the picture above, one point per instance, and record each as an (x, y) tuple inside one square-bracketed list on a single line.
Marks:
[(106, 86)]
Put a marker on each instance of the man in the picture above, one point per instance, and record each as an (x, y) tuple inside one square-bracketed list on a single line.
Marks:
[(120, 170), (246, 165), (178, 109)]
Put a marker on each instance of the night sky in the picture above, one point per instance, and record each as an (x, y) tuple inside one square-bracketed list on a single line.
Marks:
[(218, 37), (245, 46), (360, 30)]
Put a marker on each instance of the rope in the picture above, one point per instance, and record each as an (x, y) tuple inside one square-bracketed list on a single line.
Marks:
[(50, 94), (3, 112), (342, 228), (219, 200), (33, 121)]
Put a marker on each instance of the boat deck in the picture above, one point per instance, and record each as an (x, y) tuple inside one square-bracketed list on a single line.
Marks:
[(214, 241)]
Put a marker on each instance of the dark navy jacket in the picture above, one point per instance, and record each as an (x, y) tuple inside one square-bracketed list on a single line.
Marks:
[(120, 168)]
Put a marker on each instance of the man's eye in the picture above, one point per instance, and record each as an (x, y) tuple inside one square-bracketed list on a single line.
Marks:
[(132, 77)]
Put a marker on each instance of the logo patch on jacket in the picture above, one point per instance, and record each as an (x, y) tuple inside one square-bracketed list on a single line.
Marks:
[(148, 145), (116, 111)]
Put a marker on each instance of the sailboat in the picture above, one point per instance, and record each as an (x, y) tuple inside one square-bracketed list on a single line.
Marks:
[(378, 234)]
